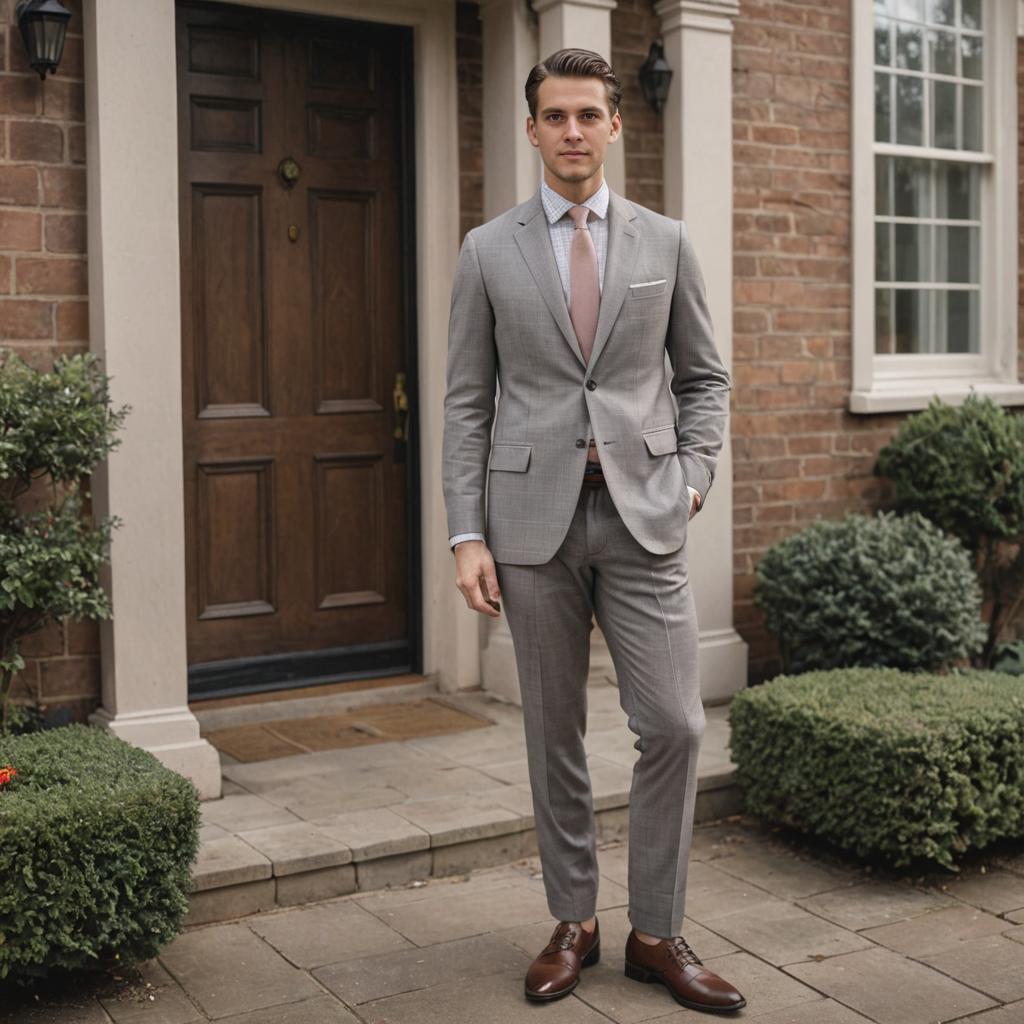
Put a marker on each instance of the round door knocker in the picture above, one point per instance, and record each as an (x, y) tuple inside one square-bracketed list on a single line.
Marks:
[(288, 171)]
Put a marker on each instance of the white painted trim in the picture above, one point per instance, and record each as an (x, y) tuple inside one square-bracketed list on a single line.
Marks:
[(890, 383)]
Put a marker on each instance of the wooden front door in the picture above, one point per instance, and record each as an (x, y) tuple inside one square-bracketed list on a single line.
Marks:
[(298, 349)]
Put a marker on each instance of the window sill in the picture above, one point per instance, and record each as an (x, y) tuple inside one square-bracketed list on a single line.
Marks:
[(909, 396)]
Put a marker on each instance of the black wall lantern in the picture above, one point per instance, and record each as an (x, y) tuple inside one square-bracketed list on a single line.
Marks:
[(43, 25), (655, 77)]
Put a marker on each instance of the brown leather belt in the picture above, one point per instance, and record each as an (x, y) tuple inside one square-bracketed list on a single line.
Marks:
[(593, 478)]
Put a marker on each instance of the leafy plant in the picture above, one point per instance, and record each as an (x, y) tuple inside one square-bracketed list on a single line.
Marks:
[(54, 428), (884, 763), (963, 467), (883, 590)]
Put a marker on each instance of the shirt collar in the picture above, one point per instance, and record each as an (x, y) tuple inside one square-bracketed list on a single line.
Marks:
[(556, 205)]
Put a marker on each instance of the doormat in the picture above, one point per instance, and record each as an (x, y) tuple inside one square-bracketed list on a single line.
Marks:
[(357, 727)]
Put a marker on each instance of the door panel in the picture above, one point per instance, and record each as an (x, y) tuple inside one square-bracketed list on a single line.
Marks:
[(297, 320)]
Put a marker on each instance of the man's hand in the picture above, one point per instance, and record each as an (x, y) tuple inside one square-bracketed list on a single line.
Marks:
[(476, 578), (694, 504)]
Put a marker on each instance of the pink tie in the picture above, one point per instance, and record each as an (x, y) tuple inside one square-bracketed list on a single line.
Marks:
[(584, 291)]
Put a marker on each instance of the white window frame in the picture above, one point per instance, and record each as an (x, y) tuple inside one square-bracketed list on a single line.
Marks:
[(889, 382)]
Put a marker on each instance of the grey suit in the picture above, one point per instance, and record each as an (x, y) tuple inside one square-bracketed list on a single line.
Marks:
[(509, 322), (655, 395)]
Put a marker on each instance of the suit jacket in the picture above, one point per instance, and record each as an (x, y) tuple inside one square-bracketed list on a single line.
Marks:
[(655, 392)]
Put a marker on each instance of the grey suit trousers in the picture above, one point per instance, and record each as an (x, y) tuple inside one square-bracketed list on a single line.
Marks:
[(644, 606)]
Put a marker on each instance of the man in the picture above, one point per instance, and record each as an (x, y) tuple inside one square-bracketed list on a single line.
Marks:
[(589, 314)]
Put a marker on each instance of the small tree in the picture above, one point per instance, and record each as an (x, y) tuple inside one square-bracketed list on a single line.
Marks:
[(56, 426), (963, 468)]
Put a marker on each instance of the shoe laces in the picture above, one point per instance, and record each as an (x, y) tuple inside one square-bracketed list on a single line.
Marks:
[(683, 953), (564, 937)]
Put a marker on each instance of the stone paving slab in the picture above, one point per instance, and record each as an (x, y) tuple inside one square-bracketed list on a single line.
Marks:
[(991, 964), (869, 904), (374, 832), (228, 861), (936, 931), (329, 933), (497, 998), (227, 968), (318, 1010), (243, 812), (997, 891), (1003, 1015), (889, 988), (780, 872), (459, 819), (299, 847), (465, 961), (781, 933)]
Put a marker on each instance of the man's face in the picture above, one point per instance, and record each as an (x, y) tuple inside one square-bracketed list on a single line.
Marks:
[(573, 126)]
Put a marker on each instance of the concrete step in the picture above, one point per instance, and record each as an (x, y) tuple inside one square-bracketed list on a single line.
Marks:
[(312, 826)]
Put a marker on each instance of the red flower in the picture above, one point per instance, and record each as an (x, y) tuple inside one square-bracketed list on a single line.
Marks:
[(6, 774)]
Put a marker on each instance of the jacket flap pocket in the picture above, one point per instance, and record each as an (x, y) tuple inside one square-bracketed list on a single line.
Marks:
[(514, 457), (661, 440)]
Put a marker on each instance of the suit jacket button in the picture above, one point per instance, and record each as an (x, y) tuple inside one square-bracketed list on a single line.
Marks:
[(591, 384), (580, 443)]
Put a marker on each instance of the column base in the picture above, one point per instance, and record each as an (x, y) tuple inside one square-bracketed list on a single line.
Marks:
[(498, 672), (723, 664), (171, 734)]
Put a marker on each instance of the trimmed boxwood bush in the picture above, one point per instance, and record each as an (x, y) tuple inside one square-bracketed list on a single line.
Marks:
[(98, 839), (870, 590), (888, 764)]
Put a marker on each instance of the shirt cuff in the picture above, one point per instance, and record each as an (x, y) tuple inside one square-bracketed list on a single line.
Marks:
[(452, 541)]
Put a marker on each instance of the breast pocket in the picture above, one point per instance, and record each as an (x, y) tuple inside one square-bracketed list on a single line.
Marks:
[(647, 289), (512, 457)]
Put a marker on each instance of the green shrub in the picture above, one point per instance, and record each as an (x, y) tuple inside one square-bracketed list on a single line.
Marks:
[(883, 763), (56, 427), (962, 466), (861, 591), (98, 840)]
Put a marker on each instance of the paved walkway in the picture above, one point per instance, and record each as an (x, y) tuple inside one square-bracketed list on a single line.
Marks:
[(809, 939)]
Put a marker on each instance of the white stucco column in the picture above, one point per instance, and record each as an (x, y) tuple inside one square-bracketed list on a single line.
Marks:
[(587, 24), (698, 189), (135, 328), (511, 164), (511, 175)]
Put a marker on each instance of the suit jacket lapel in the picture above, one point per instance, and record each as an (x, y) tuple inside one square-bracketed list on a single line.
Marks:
[(534, 242), (623, 246)]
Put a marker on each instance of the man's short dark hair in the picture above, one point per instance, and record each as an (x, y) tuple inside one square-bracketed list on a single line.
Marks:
[(576, 63)]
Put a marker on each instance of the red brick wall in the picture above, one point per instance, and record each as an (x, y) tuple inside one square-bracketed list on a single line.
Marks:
[(470, 83), (634, 27), (799, 454), (43, 307)]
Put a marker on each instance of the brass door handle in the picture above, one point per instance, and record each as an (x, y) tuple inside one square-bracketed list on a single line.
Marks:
[(401, 404)]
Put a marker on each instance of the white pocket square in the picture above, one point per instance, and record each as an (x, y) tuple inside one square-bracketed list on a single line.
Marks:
[(643, 284)]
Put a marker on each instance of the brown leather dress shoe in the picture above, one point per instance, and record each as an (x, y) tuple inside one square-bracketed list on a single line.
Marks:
[(682, 972), (556, 970)]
